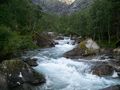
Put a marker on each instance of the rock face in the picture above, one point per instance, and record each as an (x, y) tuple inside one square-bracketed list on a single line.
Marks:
[(85, 48), (43, 40), (102, 70), (18, 72), (116, 87), (63, 6)]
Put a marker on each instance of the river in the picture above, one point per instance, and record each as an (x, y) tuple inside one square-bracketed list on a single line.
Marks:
[(67, 74)]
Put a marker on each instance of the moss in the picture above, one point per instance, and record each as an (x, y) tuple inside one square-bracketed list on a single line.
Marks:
[(86, 51), (10, 66), (82, 45), (89, 52)]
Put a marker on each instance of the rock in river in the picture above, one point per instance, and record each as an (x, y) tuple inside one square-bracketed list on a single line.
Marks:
[(102, 69), (18, 72), (31, 62), (85, 48)]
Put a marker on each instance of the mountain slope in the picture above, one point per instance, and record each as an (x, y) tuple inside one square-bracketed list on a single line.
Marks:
[(62, 6)]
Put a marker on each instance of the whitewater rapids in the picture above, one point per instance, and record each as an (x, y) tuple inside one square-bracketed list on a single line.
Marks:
[(66, 74)]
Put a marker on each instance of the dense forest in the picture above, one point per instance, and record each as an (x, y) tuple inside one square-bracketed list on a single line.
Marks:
[(20, 18)]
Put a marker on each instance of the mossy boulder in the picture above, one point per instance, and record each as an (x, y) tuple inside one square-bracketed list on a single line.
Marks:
[(85, 48), (18, 72)]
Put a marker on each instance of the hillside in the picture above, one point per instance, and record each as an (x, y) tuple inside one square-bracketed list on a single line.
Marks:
[(63, 6)]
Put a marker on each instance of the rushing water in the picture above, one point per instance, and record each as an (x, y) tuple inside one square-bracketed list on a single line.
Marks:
[(66, 74)]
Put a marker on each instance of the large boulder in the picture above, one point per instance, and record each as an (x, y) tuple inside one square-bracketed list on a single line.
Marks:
[(18, 72), (85, 48), (43, 40), (102, 69), (116, 87)]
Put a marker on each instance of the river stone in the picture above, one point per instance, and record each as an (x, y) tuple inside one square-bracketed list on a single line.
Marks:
[(102, 70), (116, 87), (31, 62), (116, 64), (85, 48), (19, 72)]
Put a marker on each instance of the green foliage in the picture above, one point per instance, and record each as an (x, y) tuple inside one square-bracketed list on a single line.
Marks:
[(26, 43), (11, 42), (101, 21), (5, 35), (20, 15), (18, 19)]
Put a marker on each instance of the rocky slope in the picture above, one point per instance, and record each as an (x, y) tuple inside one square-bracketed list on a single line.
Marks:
[(62, 6)]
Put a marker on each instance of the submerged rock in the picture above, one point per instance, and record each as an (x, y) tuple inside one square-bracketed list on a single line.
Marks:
[(116, 87), (83, 49), (102, 69), (18, 72)]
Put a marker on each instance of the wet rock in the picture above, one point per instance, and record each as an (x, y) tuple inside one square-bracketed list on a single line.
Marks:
[(31, 62), (84, 49), (106, 56), (116, 64), (102, 70), (19, 72), (33, 77), (43, 40), (116, 87), (56, 43)]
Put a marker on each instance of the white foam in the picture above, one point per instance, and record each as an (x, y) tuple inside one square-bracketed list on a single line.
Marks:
[(115, 74), (65, 74)]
